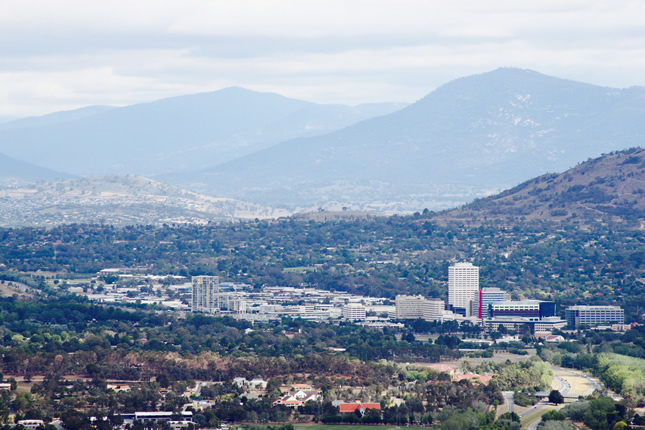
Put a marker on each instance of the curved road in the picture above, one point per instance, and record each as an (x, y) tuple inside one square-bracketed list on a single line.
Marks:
[(564, 387)]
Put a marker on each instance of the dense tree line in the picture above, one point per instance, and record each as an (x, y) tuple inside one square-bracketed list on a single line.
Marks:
[(94, 340), (598, 264), (597, 414)]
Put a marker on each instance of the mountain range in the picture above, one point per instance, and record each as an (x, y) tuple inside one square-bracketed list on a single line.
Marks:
[(467, 139), (15, 173), (605, 189), (189, 132), (470, 138)]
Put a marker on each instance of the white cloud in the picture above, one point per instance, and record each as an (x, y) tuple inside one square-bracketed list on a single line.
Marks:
[(70, 53)]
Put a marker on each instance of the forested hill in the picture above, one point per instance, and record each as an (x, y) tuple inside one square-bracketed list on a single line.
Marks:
[(611, 188)]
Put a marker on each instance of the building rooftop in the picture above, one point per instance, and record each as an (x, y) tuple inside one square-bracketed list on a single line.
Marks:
[(592, 307), (518, 303)]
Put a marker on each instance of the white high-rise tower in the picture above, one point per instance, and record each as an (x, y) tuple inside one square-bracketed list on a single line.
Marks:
[(206, 294), (463, 287)]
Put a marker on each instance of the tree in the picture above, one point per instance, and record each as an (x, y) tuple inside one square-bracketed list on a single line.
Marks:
[(163, 380), (556, 397), (554, 416), (75, 420)]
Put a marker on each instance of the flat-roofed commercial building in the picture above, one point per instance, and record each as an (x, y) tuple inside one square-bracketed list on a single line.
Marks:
[(354, 312), (532, 309), (409, 307), (489, 296), (592, 316), (413, 307), (433, 309), (524, 308), (515, 323)]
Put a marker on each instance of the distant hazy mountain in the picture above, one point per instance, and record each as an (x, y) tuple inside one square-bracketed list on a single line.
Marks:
[(605, 188), (53, 118), (180, 133), (16, 173), (467, 139), (4, 118), (118, 200)]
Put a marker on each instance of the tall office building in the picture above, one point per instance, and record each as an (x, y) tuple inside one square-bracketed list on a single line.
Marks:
[(488, 297), (206, 295), (463, 287)]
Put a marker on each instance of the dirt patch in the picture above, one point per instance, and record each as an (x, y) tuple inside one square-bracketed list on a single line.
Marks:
[(7, 290)]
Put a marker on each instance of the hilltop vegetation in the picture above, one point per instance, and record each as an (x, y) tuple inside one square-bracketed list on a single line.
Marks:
[(611, 187)]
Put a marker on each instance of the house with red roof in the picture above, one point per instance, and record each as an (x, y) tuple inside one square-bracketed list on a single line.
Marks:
[(350, 408)]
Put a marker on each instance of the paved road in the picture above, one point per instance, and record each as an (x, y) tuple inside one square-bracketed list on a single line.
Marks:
[(539, 405), (593, 385), (534, 424), (564, 387), (509, 399)]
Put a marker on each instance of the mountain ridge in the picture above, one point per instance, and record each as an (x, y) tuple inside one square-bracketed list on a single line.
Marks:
[(179, 133), (15, 172), (481, 133), (119, 200), (609, 188)]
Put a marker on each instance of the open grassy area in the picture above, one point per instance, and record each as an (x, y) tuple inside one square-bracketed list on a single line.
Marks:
[(7, 290), (502, 409), (579, 385)]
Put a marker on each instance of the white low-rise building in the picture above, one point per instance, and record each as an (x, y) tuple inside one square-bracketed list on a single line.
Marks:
[(354, 312), (592, 316)]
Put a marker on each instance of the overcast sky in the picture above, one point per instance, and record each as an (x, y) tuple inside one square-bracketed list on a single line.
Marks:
[(64, 54)]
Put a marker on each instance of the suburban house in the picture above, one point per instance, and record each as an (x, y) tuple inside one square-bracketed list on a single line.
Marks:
[(256, 383), (298, 398), (349, 408)]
